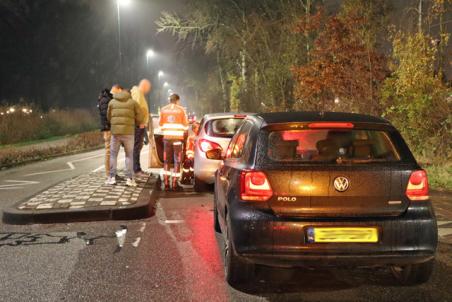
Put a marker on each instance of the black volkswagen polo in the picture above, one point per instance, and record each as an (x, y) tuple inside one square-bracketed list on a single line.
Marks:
[(307, 189)]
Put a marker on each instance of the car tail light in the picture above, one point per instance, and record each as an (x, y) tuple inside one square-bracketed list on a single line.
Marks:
[(206, 145), (240, 115), (417, 188), (333, 125), (255, 186)]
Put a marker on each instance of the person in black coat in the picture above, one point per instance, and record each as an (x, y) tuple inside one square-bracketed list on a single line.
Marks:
[(103, 101)]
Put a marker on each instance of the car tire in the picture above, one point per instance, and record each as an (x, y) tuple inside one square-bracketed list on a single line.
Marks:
[(216, 222), (236, 270), (200, 186), (413, 274)]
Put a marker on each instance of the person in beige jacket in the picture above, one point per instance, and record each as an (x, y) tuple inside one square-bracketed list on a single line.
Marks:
[(139, 95)]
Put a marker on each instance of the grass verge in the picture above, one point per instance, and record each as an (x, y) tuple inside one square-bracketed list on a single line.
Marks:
[(440, 176), (11, 156)]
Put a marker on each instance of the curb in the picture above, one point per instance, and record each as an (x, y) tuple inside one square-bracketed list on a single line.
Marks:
[(143, 208)]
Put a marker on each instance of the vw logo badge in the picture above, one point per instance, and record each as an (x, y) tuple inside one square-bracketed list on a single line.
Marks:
[(341, 184)]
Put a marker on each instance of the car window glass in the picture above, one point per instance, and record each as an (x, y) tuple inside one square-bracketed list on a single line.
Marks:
[(231, 147), (225, 127), (330, 145), (240, 141)]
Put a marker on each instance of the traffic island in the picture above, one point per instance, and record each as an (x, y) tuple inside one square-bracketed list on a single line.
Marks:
[(86, 198)]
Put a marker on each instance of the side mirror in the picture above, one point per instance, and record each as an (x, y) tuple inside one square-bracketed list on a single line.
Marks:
[(214, 154)]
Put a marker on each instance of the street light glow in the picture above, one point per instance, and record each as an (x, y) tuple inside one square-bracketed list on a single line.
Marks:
[(166, 84), (123, 2), (161, 74), (150, 53), (12, 109)]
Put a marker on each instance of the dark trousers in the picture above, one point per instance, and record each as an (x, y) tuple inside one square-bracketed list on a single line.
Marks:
[(172, 150), (138, 145)]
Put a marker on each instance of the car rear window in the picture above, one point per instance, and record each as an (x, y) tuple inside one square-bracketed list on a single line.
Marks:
[(331, 145), (226, 127)]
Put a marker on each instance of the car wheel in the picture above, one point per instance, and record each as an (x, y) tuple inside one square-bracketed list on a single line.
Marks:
[(216, 223), (236, 270), (413, 274), (200, 186)]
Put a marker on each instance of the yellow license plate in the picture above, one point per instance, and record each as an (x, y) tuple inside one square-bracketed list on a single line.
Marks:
[(345, 234)]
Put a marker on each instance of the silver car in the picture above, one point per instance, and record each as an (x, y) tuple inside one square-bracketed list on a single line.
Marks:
[(215, 132)]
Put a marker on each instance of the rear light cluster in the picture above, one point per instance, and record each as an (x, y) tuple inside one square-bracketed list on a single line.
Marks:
[(254, 186), (417, 188), (206, 145)]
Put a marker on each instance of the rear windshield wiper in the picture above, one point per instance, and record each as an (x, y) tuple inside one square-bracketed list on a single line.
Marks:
[(341, 160)]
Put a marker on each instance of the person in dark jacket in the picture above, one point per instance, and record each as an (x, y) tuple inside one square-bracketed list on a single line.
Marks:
[(103, 101)]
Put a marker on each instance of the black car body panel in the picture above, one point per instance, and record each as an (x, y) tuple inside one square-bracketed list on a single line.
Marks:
[(275, 232)]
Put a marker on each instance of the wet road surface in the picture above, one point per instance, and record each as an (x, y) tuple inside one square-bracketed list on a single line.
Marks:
[(175, 255)]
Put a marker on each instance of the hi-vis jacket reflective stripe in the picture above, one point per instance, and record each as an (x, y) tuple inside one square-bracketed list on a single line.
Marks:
[(173, 122)]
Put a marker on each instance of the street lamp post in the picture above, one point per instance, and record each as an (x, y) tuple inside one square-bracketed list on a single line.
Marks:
[(118, 4)]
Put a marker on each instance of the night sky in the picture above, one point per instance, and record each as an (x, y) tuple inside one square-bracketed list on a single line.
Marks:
[(61, 53)]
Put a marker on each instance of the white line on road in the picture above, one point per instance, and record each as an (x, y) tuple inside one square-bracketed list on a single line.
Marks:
[(98, 169), (17, 184), (143, 226), (69, 163), (10, 188), (136, 243), (176, 221)]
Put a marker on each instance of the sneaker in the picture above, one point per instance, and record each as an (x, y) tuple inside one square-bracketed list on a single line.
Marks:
[(110, 181), (131, 182)]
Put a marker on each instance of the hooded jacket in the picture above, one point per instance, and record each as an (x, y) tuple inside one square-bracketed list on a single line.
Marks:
[(124, 113), (103, 100)]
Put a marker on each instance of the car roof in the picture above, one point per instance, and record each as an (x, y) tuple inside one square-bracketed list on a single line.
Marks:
[(224, 114), (318, 116)]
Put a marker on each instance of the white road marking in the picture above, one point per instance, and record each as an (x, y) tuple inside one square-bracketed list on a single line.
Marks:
[(17, 184), (86, 158), (143, 226), (442, 222), (136, 243), (98, 169), (176, 221), (69, 163)]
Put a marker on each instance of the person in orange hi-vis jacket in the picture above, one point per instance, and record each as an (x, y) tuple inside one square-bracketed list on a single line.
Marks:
[(173, 123)]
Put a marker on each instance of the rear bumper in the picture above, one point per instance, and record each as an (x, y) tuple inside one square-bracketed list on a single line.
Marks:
[(263, 238), (204, 168), (281, 260)]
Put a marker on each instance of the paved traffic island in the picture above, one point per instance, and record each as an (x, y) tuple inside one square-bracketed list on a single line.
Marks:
[(86, 198)]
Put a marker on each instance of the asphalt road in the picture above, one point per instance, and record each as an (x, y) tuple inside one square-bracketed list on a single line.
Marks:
[(173, 256)]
